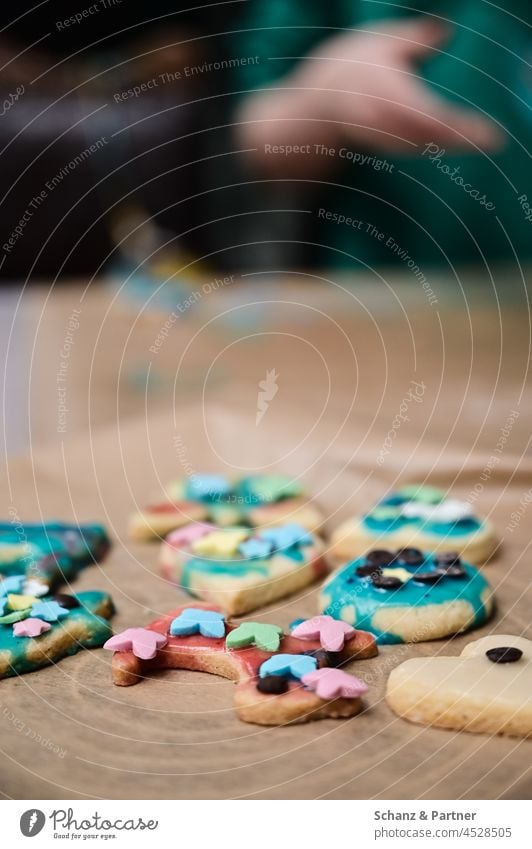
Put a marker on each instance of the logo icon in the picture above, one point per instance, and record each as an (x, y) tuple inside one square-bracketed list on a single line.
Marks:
[(268, 390), (32, 822)]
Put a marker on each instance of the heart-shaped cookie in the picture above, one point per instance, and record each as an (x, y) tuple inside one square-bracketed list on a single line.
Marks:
[(488, 688)]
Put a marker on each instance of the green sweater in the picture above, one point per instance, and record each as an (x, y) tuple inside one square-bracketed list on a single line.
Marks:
[(436, 207)]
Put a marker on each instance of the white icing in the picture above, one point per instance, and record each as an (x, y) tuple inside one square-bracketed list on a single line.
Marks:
[(451, 510)]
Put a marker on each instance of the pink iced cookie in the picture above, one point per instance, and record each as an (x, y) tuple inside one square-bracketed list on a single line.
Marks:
[(332, 633), (187, 535), (331, 684), (30, 628), (141, 641)]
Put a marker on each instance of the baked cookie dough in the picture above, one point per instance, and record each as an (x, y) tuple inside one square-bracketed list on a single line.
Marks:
[(408, 596), (280, 678), (50, 553), (241, 569), (419, 516), (257, 501), (38, 631), (487, 689)]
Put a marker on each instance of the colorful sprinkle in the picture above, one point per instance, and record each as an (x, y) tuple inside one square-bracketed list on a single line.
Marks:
[(208, 623), (30, 628), (295, 665), (35, 587), (286, 536), (13, 584), (189, 534), (207, 486), (334, 684), (20, 602), (255, 547), (50, 611), (330, 632), (265, 637), (223, 542), (143, 642)]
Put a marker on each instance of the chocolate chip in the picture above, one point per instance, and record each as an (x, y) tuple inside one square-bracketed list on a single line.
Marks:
[(447, 558), (368, 569), (504, 654), (410, 556), (386, 582), (451, 571), (427, 577), (272, 684), (379, 557), (325, 658), (66, 601)]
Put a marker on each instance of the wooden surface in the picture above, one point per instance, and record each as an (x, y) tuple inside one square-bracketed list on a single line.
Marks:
[(345, 358)]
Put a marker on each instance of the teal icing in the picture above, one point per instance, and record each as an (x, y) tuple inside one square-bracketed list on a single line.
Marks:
[(57, 551), (345, 588), (97, 631), (444, 529)]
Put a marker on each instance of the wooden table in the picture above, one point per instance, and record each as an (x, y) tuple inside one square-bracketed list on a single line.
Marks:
[(346, 353)]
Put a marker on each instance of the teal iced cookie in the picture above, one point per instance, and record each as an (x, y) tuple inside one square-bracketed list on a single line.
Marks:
[(408, 596), (35, 632), (50, 553), (416, 515)]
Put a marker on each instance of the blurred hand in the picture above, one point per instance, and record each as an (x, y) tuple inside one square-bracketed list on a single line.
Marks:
[(367, 82)]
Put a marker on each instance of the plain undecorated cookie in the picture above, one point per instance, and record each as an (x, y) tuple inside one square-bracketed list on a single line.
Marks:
[(471, 692)]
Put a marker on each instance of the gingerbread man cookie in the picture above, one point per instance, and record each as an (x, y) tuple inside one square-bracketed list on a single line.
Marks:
[(241, 569), (419, 516), (37, 631), (280, 679), (487, 689), (257, 500), (49, 553), (408, 596)]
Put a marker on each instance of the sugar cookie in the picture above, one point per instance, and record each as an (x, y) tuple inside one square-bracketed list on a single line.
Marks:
[(294, 682), (419, 516), (487, 689), (257, 500), (408, 595), (241, 569)]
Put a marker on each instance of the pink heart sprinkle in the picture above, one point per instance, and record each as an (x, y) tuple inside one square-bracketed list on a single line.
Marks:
[(141, 641), (330, 684), (331, 633), (185, 536), (30, 628)]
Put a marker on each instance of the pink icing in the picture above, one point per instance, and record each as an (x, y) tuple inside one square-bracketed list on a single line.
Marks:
[(330, 684), (30, 628), (330, 632), (141, 641), (185, 536)]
